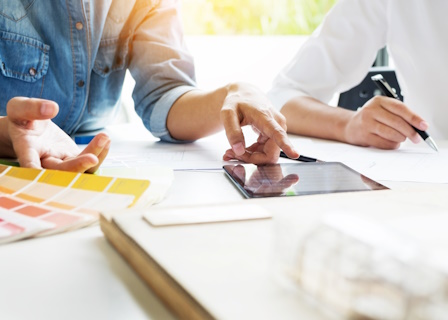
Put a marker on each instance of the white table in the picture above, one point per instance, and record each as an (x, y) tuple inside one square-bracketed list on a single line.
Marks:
[(78, 275)]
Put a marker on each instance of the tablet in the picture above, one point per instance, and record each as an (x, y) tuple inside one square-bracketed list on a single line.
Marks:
[(295, 179)]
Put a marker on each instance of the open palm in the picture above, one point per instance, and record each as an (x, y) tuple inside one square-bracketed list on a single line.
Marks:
[(39, 143)]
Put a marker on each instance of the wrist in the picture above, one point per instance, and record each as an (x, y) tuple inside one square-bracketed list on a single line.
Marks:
[(343, 125)]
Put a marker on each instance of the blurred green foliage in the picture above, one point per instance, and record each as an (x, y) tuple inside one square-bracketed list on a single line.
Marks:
[(254, 17)]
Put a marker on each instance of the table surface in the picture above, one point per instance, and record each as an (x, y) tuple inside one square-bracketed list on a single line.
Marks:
[(78, 275)]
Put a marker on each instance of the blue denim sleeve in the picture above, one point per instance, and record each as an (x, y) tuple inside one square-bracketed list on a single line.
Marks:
[(157, 121), (161, 66)]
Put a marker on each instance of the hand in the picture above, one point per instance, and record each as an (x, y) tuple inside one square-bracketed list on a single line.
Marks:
[(246, 105), (384, 123), (265, 180), (37, 142)]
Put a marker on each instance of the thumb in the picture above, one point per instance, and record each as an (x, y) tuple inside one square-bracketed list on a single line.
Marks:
[(21, 110)]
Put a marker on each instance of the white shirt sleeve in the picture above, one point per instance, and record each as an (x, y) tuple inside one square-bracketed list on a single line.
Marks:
[(338, 55)]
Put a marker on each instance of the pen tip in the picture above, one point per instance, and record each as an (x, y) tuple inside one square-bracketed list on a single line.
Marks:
[(432, 143)]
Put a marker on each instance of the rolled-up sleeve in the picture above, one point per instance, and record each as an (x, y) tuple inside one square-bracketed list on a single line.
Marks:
[(337, 56), (161, 66)]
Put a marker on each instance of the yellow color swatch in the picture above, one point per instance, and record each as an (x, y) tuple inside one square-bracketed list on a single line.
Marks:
[(6, 190), (92, 183), (24, 173), (29, 198), (59, 205), (58, 178), (129, 186)]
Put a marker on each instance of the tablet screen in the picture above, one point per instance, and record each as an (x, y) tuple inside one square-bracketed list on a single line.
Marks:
[(294, 179)]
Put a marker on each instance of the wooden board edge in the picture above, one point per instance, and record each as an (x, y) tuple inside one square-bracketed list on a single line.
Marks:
[(174, 296)]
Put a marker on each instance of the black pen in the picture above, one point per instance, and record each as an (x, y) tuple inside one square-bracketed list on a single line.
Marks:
[(387, 90), (300, 158)]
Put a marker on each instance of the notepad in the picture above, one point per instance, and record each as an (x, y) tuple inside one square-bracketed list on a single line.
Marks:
[(133, 237)]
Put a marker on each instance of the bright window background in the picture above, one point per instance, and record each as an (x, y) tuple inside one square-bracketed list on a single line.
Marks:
[(242, 40), (247, 40), (254, 17)]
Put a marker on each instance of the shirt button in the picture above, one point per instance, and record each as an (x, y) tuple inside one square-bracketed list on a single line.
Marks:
[(32, 72), (81, 83), (79, 26)]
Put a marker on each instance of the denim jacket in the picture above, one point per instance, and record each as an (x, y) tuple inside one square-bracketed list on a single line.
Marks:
[(76, 52)]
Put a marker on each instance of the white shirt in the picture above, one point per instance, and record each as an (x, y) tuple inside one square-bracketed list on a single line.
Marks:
[(340, 52)]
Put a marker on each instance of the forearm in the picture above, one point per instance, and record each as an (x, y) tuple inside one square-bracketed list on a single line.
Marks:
[(310, 117), (196, 114)]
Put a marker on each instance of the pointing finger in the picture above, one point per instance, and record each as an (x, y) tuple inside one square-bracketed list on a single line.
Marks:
[(233, 130)]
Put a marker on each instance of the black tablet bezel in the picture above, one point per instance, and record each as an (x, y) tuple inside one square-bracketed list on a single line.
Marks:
[(371, 184)]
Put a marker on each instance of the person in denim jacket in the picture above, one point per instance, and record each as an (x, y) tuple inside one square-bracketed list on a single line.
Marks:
[(76, 53)]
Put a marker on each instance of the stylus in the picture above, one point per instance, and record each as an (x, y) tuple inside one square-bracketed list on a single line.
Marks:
[(300, 158), (387, 90)]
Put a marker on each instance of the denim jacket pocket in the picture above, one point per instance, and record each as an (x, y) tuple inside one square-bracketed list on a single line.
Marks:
[(112, 56), (23, 58), (15, 9), (117, 34)]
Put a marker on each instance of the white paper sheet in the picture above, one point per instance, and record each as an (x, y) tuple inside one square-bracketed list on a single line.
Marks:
[(138, 148), (412, 163)]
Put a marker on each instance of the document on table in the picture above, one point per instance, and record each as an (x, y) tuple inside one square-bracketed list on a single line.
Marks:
[(138, 148), (138, 154), (411, 163)]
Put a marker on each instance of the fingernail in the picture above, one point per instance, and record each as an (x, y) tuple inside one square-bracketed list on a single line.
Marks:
[(296, 152), (46, 109), (239, 149), (102, 142), (423, 125)]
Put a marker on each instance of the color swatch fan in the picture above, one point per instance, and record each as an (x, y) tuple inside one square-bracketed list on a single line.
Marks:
[(37, 202)]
